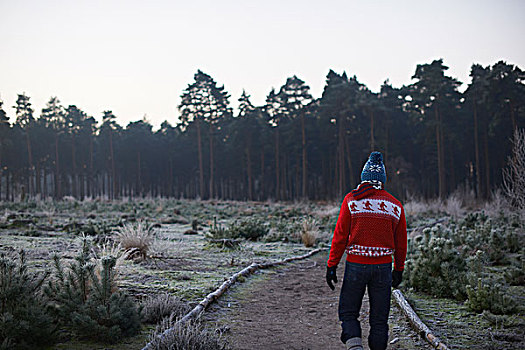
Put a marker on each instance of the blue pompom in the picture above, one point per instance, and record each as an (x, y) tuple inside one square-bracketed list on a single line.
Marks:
[(376, 157)]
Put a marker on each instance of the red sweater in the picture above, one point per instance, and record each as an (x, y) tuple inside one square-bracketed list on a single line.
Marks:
[(371, 228)]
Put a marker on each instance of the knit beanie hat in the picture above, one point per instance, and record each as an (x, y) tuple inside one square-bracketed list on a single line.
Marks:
[(374, 168)]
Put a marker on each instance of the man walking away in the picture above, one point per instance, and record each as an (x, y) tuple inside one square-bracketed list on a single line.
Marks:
[(371, 228)]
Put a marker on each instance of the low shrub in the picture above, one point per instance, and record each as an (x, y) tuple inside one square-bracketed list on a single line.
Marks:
[(436, 266), (489, 295), (250, 229), (24, 321), (453, 262)]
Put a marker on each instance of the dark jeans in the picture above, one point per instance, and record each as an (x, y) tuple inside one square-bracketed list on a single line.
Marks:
[(378, 279)]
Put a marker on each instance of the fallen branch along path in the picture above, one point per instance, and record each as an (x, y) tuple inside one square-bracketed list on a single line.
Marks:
[(210, 298), (416, 322)]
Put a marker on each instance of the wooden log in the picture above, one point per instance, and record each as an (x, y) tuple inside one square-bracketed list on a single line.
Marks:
[(210, 298), (416, 322)]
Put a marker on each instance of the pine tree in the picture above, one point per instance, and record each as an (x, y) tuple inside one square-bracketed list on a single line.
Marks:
[(295, 96), (274, 109), (87, 300), (4, 140), (25, 120), (109, 130), (24, 320), (433, 97), (204, 103), (53, 118)]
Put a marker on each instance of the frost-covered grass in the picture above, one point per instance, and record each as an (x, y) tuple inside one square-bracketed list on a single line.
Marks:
[(186, 267)]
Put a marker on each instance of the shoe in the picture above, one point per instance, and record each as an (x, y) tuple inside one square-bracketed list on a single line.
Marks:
[(354, 344)]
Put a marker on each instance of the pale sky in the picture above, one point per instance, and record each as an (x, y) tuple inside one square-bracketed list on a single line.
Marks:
[(136, 57)]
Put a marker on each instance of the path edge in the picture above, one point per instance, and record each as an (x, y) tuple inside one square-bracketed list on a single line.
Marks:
[(416, 322), (213, 296)]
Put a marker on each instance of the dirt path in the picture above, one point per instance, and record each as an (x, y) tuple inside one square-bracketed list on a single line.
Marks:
[(292, 308)]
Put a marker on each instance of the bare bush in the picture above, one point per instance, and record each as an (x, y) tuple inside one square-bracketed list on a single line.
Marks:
[(326, 212), (157, 307), (184, 336), (454, 206), (498, 204), (309, 232), (136, 238), (415, 206), (513, 175)]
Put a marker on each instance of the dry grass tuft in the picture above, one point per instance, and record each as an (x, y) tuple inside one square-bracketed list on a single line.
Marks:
[(309, 232), (187, 336), (112, 249), (136, 238), (158, 307)]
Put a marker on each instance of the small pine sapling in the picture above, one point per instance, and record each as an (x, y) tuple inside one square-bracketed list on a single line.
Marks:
[(488, 295), (24, 320), (88, 302)]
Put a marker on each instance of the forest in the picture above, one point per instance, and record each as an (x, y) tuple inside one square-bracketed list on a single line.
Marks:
[(435, 138)]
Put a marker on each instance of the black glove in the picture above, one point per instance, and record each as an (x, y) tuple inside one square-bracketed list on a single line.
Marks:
[(397, 277), (331, 276)]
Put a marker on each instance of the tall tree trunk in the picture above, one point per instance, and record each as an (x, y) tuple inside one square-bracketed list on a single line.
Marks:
[(372, 140), (349, 163), (91, 174), (44, 191), (512, 115), (30, 159), (249, 168), (387, 139), (7, 189), (303, 129), (58, 192), (443, 158), (476, 151), (38, 178), (487, 163), (139, 176), (112, 191), (171, 193), (262, 193), (341, 154), (211, 160), (441, 170), (201, 170), (74, 166), (1, 168), (277, 166)]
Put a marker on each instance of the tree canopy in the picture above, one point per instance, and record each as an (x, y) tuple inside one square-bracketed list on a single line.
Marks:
[(435, 139)]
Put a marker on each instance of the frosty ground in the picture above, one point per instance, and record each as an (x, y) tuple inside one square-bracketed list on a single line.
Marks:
[(288, 307)]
